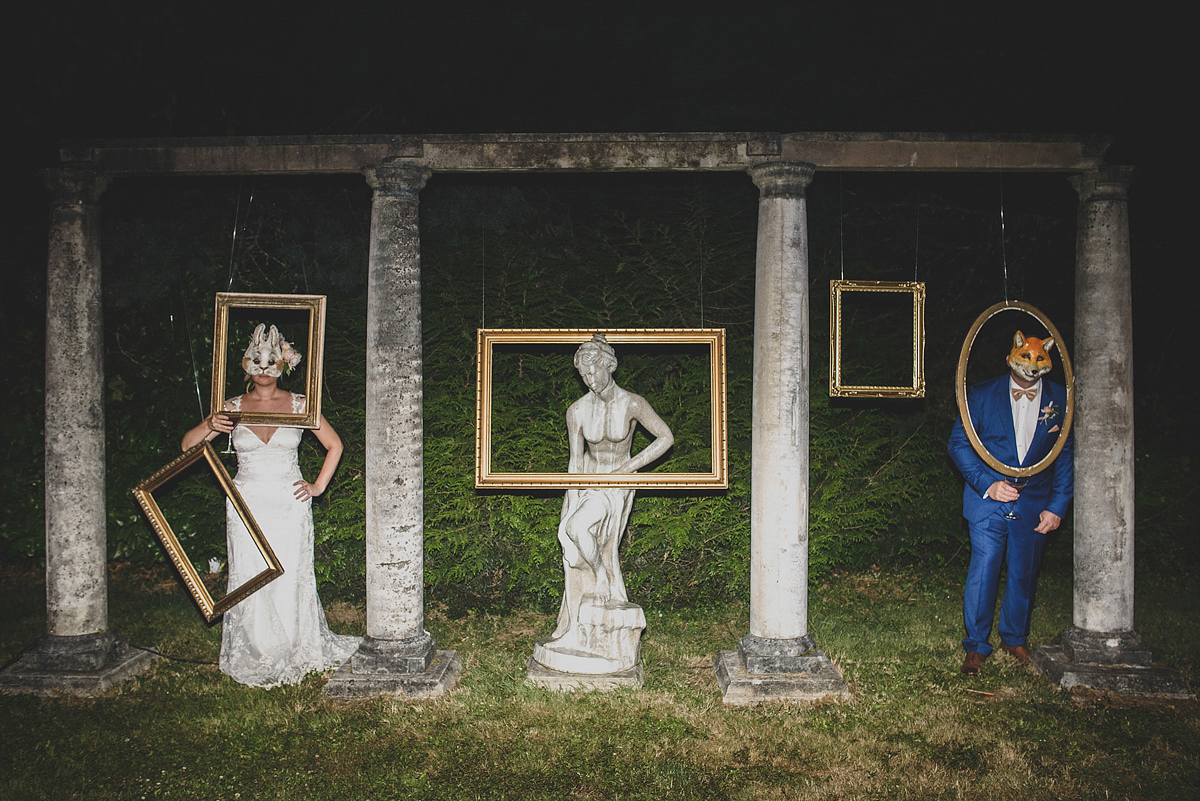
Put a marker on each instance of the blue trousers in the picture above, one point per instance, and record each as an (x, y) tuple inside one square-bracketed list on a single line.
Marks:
[(1013, 544)]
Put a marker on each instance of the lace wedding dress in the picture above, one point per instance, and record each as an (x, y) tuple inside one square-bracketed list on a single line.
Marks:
[(279, 634)]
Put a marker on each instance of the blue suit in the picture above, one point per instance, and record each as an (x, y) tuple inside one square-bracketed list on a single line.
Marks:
[(995, 540)]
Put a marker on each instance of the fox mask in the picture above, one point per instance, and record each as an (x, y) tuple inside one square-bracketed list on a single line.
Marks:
[(1030, 356)]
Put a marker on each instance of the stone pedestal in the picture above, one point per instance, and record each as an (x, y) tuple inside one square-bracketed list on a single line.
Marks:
[(1101, 651), (412, 668), (602, 652), (87, 664), (778, 659)]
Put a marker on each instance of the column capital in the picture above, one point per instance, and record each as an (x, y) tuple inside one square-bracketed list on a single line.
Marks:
[(72, 186), (782, 178), (397, 179), (1109, 182)]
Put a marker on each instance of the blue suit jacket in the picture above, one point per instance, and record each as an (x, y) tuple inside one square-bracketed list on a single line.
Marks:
[(991, 415)]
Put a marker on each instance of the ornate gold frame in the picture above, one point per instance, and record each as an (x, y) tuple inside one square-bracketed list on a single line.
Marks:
[(187, 571), (837, 389), (960, 390), (714, 338), (313, 352)]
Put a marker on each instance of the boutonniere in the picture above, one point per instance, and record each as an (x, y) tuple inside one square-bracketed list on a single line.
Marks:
[(1049, 412)]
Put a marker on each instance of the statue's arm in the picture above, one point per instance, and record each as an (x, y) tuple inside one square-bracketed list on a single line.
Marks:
[(574, 440), (641, 411)]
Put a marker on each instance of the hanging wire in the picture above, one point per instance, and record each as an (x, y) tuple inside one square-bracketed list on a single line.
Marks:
[(483, 280), (917, 243), (187, 327), (234, 237), (1003, 253), (841, 227)]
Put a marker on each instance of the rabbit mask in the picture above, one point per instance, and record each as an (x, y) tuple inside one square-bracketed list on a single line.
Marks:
[(269, 353)]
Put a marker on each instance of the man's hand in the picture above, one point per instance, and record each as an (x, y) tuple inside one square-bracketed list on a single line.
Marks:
[(1003, 491), (1050, 521)]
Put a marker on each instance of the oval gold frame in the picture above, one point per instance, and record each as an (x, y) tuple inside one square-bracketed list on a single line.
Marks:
[(960, 390)]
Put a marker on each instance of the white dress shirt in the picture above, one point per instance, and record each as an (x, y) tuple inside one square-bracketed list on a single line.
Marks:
[(1024, 415)]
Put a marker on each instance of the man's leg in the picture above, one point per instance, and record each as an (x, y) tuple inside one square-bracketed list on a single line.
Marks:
[(1025, 547), (983, 576)]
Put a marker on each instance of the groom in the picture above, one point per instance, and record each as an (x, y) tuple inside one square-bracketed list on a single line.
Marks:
[(1018, 418)]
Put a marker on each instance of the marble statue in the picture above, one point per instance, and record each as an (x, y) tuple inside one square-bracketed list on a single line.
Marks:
[(598, 630)]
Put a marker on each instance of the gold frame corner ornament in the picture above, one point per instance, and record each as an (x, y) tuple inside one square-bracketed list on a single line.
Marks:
[(144, 493), (314, 358), (713, 338), (960, 390), (837, 389)]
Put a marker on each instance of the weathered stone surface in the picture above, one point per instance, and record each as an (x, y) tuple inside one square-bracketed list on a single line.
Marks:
[(436, 680), (87, 664), (739, 688), (608, 640), (1053, 663), (561, 681)]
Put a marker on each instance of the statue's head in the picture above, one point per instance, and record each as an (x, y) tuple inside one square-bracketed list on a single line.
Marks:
[(269, 353), (596, 350)]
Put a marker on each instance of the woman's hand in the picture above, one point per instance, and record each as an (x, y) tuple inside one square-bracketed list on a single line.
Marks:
[(305, 491), (220, 423)]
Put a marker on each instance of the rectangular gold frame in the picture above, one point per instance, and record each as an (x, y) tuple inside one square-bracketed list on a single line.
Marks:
[(837, 389), (714, 338), (144, 493), (315, 357)]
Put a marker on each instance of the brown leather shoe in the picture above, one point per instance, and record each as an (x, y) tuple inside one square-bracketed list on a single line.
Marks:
[(1017, 652), (973, 663)]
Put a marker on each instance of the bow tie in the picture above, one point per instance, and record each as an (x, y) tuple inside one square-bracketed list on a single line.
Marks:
[(1028, 394)]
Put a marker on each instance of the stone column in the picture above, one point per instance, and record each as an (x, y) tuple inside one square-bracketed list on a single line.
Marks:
[(778, 658), (78, 653), (1102, 650), (398, 655)]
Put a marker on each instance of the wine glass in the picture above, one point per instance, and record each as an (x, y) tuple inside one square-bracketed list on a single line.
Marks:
[(235, 417), (1018, 483)]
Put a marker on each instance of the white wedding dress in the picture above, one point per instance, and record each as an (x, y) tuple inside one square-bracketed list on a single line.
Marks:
[(279, 634)]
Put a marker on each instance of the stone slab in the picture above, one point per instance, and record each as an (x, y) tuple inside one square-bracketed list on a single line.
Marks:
[(437, 680), (1052, 662), (739, 688), (541, 676), (22, 678)]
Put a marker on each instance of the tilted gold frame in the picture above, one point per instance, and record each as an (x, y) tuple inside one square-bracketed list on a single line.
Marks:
[(838, 389), (313, 363), (144, 493), (960, 391), (713, 338)]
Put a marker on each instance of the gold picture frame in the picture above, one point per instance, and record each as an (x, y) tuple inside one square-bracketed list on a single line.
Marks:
[(711, 338), (838, 386), (960, 390), (270, 308), (144, 493)]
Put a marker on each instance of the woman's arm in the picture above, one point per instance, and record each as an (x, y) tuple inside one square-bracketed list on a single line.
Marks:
[(332, 443), (208, 429)]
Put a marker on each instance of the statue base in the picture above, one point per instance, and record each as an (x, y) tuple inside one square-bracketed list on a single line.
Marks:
[(541, 676), (606, 639)]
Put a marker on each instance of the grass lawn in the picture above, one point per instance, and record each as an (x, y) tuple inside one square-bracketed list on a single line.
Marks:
[(915, 728)]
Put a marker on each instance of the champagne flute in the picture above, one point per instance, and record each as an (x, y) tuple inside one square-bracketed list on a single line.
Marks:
[(235, 417), (1018, 483)]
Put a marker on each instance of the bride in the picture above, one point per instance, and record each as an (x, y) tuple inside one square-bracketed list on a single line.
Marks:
[(279, 633)]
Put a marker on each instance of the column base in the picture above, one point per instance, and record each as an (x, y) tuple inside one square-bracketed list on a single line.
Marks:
[(437, 678), (86, 664), (562, 681), (764, 670), (1112, 662)]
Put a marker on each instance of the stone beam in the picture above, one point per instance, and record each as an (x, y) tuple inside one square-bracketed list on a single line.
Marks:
[(586, 152)]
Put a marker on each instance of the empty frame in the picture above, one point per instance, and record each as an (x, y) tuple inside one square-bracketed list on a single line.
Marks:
[(877, 339)]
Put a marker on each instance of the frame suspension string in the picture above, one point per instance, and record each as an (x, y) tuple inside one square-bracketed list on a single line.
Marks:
[(1003, 252), (917, 239), (234, 236), (187, 327), (841, 228)]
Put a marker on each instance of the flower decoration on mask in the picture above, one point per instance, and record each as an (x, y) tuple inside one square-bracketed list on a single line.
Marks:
[(269, 353)]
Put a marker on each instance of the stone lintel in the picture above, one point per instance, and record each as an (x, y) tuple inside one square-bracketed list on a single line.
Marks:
[(740, 688), (594, 152), (560, 681), (86, 664), (436, 680), (1052, 662)]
